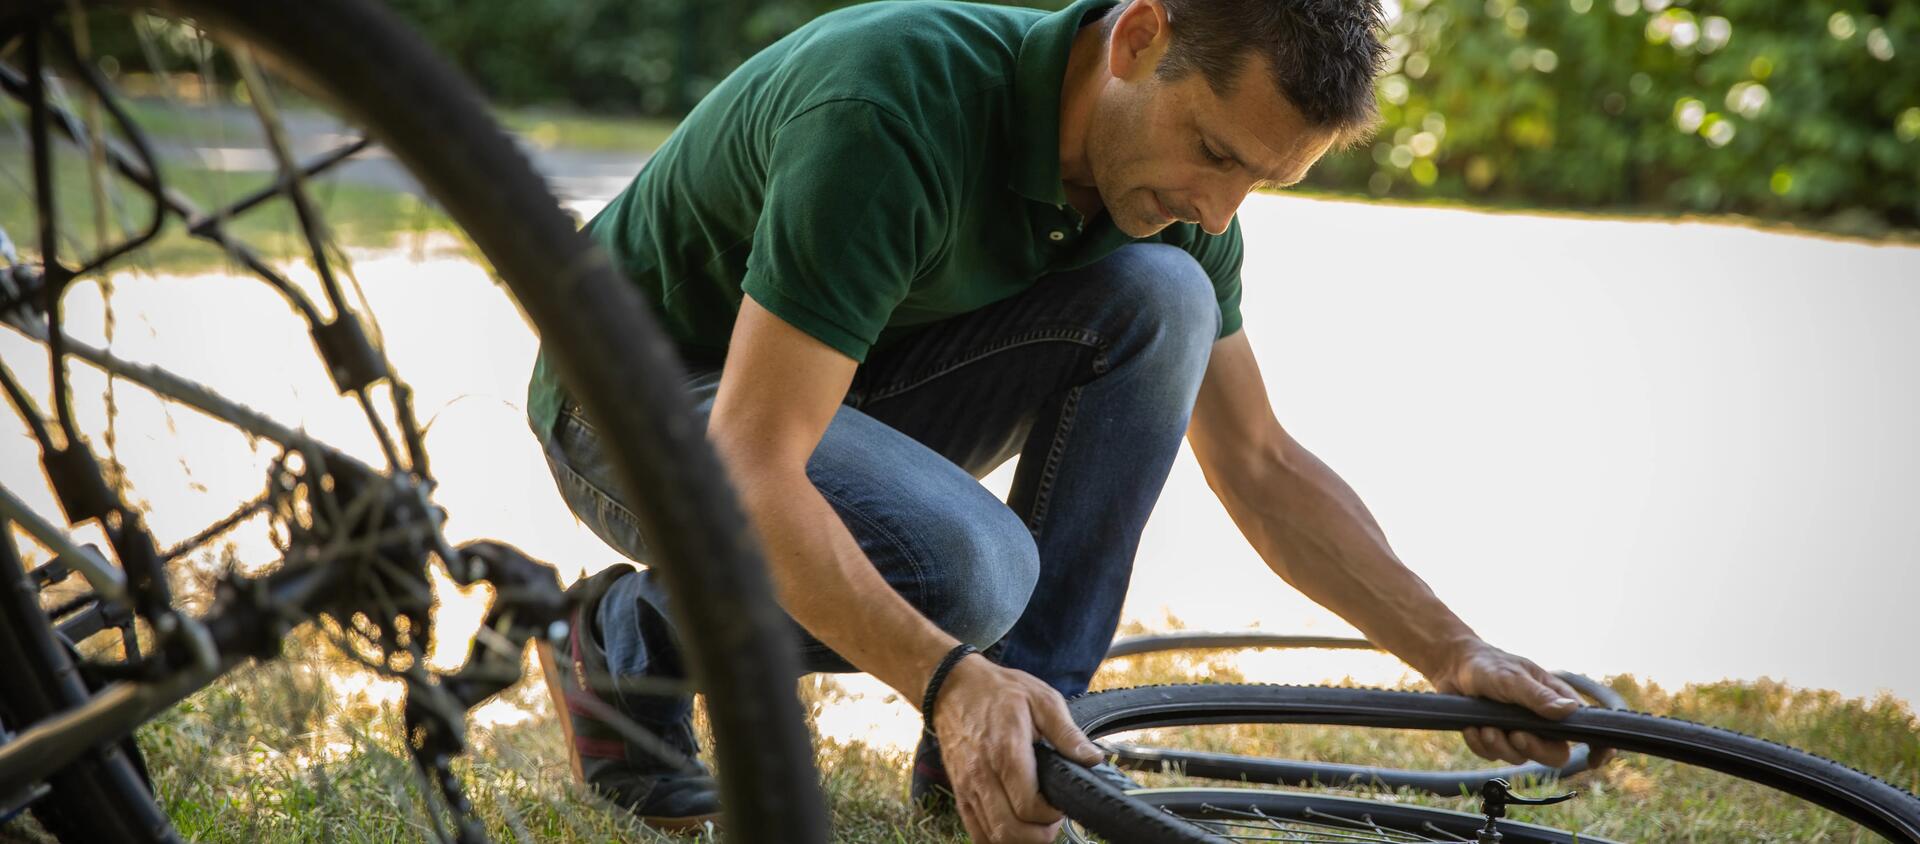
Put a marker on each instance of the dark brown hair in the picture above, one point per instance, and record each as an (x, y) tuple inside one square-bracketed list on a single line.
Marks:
[(1324, 54)]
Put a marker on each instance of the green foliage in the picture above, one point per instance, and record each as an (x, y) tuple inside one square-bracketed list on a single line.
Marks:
[(1779, 110), (636, 56), (1797, 111)]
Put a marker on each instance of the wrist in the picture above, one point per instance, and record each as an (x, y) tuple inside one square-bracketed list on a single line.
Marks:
[(936, 681)]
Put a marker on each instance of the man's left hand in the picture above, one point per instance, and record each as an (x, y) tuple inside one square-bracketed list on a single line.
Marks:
[(1482, 670)]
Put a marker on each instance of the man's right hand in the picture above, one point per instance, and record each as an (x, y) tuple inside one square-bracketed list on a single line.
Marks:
[(780, 390), (987, 718)]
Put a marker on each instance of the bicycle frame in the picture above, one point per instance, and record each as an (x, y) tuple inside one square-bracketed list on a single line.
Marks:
[(251, 615)]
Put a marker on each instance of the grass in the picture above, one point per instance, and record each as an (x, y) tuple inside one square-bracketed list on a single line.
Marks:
[(1636, 798), (546, 127), (186, 119), (549, 128), (308, 749), (555, 127)]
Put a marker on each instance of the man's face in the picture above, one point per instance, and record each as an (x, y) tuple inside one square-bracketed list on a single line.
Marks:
[(1162, 152)]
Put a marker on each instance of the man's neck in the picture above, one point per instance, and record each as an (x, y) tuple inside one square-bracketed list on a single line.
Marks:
[(1086, 66)]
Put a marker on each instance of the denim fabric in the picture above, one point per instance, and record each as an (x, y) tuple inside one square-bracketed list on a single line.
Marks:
[(1090, 376)]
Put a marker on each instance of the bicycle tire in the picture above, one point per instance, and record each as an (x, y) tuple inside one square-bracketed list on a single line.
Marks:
[(1881, 807), (103, 796), (608, 350), (1256, 769), (1344, 818)]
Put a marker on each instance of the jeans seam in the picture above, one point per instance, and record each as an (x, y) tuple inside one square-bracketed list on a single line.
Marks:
[(572, 411), (1081, 336), (612, 505), (1043, 492)]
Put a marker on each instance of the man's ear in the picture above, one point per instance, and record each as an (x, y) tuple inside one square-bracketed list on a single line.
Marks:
[(1140, 38)]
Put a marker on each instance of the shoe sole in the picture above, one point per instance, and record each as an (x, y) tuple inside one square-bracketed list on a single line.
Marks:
[(550, 668), (696, 823)]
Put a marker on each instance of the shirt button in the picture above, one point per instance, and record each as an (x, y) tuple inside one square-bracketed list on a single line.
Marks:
[(1056, 235)]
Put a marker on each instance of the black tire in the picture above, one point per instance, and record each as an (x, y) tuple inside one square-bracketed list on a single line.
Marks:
[(103, 796), (604, 342), (1879, 806), (1256, 769), (1258, 814)]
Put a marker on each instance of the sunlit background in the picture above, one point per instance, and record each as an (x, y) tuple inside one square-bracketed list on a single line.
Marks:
[(1682, 449), (1686, 456)]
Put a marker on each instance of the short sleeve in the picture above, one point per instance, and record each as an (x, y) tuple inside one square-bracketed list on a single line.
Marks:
[(1220, 255), (852, 212)]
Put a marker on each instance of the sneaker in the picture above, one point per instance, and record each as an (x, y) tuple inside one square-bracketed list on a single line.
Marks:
[(660, 794), (930, 790)]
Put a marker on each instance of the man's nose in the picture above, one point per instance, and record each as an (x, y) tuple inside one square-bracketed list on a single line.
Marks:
[(1218, 205)]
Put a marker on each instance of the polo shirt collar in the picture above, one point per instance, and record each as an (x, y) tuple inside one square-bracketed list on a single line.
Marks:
[(1038, 73)]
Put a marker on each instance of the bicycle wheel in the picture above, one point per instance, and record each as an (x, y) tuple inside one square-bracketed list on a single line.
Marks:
[(1877, 806), (103, 796), (1245, 814), (1257, 769), (356, 59)]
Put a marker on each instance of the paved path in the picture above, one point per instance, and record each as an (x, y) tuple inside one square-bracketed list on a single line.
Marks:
[(229, 139)]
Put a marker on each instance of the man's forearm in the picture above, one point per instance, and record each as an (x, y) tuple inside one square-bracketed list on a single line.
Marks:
[(1315, 533), (823, 579)]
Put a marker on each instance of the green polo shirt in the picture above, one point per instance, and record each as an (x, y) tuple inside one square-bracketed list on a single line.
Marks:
[(883, 167)]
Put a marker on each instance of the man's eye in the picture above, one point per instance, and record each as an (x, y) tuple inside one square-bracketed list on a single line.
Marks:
[(1207, 151)]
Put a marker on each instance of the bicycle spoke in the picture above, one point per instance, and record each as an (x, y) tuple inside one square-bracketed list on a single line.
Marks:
[(1322, 827), (1438, 831), (192, 394), (202, 225), (356, 539), (315, 166), (211, 532)]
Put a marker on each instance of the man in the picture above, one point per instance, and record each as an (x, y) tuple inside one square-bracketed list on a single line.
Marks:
[(911, 240)]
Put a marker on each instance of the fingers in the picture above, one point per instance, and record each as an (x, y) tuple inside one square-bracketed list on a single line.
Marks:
[(1598, 757), (1054, 722), (1492, 743), (995, 775), (1502, 676), (990, 817), (1517, 747), (1535, 689), (1559, 686), (969, 816), (1019, 782), (1471, 736), (1545, 751), (1001, 823)]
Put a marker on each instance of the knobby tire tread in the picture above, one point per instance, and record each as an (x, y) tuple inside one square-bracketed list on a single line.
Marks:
[(1249, 769), (1868, 800), (609, 351), (101, 796)]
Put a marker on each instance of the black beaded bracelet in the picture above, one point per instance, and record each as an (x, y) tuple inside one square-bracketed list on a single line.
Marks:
[(939, 678)]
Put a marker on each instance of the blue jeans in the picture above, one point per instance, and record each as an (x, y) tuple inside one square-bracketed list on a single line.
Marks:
[(1089, 375)]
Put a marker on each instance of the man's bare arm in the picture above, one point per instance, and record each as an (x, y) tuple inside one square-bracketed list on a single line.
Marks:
[(1313, 531), (778, 393)]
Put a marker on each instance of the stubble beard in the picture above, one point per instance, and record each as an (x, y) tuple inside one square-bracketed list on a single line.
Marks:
[(1135, 210)]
